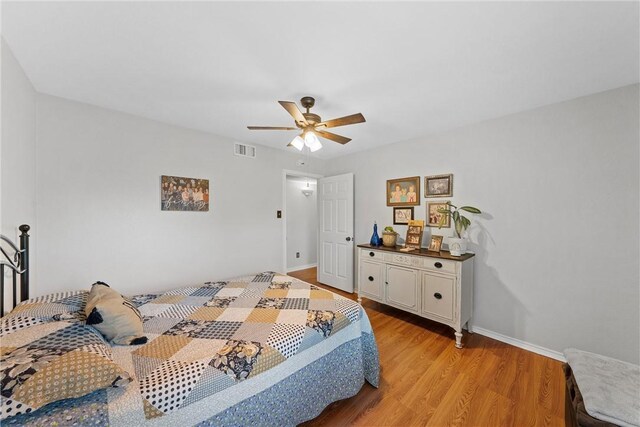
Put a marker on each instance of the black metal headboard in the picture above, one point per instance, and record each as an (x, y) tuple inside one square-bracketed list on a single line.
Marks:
[(17, 260)]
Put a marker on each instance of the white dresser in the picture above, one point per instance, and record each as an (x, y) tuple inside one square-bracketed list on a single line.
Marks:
[(434, 285)]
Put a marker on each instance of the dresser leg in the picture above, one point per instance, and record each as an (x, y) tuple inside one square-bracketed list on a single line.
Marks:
[(469, 327), (458, 338), (359, 299)]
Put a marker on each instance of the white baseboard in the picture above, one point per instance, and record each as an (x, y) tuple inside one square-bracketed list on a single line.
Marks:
[(301, 267), (519, 343)]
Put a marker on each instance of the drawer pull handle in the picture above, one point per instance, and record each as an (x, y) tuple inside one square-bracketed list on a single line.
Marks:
[(437, 295), (438, 264), (372, 254), (371, 278)]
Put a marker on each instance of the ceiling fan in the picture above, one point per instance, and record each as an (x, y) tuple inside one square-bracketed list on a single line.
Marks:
[(312, 125)]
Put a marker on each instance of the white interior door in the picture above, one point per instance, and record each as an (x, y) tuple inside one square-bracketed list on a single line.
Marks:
[(335, 231)]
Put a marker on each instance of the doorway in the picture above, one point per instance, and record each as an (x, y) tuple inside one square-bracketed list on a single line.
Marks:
[(300, 228)]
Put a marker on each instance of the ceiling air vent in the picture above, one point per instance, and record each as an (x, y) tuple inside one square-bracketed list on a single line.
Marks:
[(245, 150)]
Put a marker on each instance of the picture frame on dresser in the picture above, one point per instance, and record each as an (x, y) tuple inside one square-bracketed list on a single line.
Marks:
[(435, 244), (414, 234)]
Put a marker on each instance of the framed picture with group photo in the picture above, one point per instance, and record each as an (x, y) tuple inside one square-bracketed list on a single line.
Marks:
[(434, 215), (403, 191), (438, 186)]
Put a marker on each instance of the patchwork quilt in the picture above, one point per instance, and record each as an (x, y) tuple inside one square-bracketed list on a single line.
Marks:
[(224, 353)]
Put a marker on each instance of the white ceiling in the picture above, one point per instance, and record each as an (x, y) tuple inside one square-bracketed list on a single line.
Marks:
[(411, 68)]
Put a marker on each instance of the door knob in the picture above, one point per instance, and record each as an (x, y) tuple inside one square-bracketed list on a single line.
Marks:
[(348, 239), (437, 295)]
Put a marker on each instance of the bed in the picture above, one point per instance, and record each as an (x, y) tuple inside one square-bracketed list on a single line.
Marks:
[(263, 349)]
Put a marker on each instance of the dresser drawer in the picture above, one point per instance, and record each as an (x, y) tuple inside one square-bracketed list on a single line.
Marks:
[(399, 259), (372, 255), (441, 265)]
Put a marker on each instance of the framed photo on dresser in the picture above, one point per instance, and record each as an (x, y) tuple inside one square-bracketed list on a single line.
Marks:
[(414, 234), (436, 243)]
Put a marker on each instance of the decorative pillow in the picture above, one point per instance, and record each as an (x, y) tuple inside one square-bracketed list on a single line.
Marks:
[(115, 317), (47, 362), (68, 306)]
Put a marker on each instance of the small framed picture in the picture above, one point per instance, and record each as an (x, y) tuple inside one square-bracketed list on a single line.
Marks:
[(414, 234), (403, 191), (438, 186), (402, 216), (434, 215), (436, 243)]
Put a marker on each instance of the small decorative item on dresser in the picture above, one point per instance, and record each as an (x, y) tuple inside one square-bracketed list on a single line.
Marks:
[(375, 239), (402, 216), (457, 245), (434, 215), (436, 243), (414, 233), (389, 237), (438, 186), (403, 191)]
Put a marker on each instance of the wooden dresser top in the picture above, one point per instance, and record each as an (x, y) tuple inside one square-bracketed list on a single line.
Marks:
[(421, 252)]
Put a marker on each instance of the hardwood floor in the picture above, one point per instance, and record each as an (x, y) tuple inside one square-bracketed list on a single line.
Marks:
[(426, 381)]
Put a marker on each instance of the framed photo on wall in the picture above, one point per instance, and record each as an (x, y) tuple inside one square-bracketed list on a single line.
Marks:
[(438, 185), (402, 216), (433, 216), (403, 191), (436, 243), (178, 193)]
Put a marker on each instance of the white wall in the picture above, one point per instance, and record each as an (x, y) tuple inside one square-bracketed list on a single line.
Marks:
[(302, 223), (557, 249), (99, 203), (17, 150)]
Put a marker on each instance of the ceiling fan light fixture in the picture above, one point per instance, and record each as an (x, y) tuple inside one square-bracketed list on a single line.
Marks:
[(298, 143), (315, 146), (310, 138), (312, 125), (312, 141)]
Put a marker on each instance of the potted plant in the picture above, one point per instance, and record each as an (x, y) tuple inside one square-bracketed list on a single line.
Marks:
[(389, 237), (457, 245)]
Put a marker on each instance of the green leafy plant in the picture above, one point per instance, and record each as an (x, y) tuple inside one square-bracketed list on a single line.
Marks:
[(389, 229), (460, 221)]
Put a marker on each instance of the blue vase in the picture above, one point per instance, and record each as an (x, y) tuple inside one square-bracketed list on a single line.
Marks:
[(375, 239)]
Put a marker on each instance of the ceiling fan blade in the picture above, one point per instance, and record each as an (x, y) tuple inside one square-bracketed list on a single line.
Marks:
[(343, 121), (295, 112), (333, 137), (270, 128)]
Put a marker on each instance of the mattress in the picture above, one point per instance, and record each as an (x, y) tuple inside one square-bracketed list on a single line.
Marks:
[(264, 349)]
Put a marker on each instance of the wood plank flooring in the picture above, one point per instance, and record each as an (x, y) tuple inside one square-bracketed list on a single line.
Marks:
[(426, 381)]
